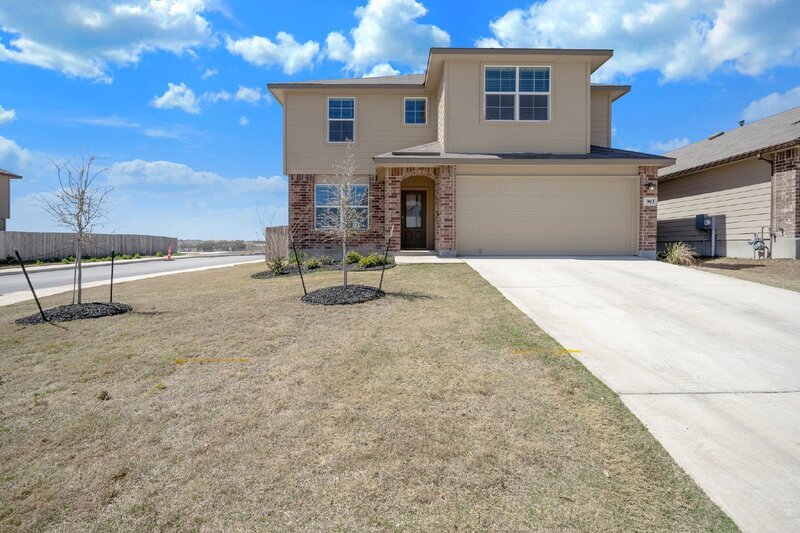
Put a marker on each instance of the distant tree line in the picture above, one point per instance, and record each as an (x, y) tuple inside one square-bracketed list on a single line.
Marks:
[(212, 246)]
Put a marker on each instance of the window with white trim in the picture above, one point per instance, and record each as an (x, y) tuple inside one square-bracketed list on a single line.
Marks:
[(341, 120), (415, 111), (517, 93), (326, 204)]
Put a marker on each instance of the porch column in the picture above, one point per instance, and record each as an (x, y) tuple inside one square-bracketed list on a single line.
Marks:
[(446, 211), (786, 203), (648, 216), (392, 205)]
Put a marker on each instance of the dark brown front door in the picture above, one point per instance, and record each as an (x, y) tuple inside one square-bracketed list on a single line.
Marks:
[(412, 215)]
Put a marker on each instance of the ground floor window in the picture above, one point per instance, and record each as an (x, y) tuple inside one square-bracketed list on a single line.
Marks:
[(327, 199)]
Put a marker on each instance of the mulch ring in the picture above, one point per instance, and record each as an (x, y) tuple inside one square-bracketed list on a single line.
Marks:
[(339, 295), (268, 274), (65, 313)]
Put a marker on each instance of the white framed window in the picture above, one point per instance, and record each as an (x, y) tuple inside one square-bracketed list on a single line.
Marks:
[(326, 204), (341, 119), (516, 93), (415, 110)]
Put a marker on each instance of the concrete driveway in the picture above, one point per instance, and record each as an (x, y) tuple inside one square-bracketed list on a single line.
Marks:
[(710, 364)]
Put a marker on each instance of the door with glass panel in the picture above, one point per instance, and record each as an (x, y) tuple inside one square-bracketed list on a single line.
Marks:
[(412, 219)]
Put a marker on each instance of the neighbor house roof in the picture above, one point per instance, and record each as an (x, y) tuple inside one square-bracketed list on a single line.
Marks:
[(766, 135), (432, 153), (7, 174), (376, 81)]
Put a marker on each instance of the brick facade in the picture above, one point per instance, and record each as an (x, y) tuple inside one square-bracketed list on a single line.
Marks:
[(384, 199), (648, 216), (786, 193)]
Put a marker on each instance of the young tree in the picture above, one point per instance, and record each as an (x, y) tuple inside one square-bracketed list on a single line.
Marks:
[(344, 213), (77, 205)]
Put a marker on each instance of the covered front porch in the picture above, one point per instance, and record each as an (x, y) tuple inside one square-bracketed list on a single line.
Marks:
[(420, 205)]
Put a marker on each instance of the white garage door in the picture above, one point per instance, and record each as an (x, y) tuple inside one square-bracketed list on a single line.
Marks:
[(521, 215)]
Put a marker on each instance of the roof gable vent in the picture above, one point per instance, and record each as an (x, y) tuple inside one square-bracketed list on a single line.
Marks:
[(718, 134)]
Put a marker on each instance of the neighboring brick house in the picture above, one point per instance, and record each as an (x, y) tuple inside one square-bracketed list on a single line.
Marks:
[(5, 196), (747, 178), (491, 151)]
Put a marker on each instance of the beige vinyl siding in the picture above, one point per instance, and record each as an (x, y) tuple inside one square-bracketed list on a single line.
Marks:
[(379, 128), (565, 132), (5, 200), (601, 119), (441, 108), (739, 194)]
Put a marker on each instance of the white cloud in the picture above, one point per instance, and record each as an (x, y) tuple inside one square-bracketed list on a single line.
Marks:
[(12, 155), (84, 38), (382, 69), (679, 38), (772, 104), (161, 133), (248, 94), (110, 122), (243, 121), (285, 51), (177, 95), (668, 146), (137, 173), (209, 72), (387, 31), (7, 115), (215, 97)]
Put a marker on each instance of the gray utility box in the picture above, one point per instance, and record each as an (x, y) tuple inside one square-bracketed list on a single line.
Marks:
[(703, 222)]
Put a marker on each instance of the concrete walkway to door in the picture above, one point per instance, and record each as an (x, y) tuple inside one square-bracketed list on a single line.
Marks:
[(710, 364)]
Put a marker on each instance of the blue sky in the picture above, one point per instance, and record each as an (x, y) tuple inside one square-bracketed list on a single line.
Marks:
[(170, 94)]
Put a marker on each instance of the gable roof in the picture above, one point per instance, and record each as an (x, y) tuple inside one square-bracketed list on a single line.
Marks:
[(766, 135), (7, 174)]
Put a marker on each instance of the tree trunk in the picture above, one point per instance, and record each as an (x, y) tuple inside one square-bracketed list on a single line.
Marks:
[(80, 273), (344, 261)]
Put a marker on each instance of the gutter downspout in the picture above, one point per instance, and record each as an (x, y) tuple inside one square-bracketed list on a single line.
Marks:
[(772, 229)]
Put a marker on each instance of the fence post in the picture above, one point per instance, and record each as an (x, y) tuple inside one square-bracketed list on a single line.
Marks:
[(16, 252)]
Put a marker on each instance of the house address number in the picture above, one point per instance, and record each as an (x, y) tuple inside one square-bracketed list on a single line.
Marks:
[(650, 201)]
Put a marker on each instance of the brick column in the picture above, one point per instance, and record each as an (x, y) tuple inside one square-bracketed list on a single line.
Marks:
[(648, 216), (786, 191), (445, 229), (391, 200)]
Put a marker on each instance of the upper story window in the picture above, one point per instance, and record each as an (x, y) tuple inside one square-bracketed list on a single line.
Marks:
[(517, 93), (415, 111), (328, 198), (341, 120)]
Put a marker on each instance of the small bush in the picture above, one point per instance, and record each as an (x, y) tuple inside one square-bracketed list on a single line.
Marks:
[(137, 255), (276, 266), (352, 257), (66, 260), (326, 260), (678, 253), (298, 259), (103, 395), (313, 263), (371, 261), (159, 254)]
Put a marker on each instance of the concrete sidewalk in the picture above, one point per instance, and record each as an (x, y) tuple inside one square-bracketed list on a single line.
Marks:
[(710, 364)]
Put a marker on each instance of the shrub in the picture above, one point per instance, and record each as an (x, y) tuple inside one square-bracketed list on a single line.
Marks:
[(276, 266), (326, 260), (313, 263), (298, 259), (678, 253), (137, 255), (371, 260), (103, 395), (159, 254), (352, 257), (66, 260)]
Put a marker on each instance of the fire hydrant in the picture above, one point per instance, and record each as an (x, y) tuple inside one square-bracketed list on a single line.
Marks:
[(169, 253)]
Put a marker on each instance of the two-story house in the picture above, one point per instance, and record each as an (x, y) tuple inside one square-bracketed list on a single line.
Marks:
[(5, 196), (490, 152)]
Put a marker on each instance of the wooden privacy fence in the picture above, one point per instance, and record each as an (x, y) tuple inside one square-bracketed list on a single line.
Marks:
[(42, 245), (277, 241)]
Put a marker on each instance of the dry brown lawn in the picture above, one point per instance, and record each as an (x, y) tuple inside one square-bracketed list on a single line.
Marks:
[(781, 273), (414, 412)]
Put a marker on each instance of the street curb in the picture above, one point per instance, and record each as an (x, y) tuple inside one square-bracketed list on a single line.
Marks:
[(70, 266)]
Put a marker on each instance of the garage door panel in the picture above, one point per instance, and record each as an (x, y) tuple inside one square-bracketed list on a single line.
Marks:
[(546, 216)]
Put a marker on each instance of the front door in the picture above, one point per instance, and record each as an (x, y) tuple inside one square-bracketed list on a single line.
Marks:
[(412, 215)]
